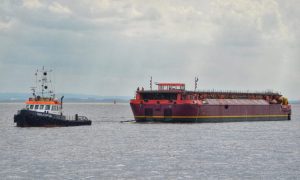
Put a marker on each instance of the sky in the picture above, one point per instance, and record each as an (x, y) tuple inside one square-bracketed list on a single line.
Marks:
[(110, 47)]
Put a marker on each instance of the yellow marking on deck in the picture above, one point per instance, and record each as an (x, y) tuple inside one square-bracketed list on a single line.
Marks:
[(202, 117)]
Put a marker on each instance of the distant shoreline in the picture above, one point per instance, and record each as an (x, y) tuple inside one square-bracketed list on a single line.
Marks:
[(69, 98)]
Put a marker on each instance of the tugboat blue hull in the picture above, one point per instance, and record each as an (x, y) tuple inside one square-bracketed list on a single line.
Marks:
[(27, 118)]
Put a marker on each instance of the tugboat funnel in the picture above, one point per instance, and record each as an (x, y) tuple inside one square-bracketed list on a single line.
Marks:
[(61, 100)]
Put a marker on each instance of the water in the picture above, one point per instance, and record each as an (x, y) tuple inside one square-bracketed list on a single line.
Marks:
[(112, 150)]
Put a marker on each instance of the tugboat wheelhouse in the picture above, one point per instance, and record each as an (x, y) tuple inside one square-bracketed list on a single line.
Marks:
[(46, 105)]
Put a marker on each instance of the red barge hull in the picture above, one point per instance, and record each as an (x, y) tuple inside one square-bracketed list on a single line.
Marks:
[(187, 113)]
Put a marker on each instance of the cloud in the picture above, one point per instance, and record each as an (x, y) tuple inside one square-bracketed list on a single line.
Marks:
[(4, 25), (32, 4), (55, 7), (102, 45)]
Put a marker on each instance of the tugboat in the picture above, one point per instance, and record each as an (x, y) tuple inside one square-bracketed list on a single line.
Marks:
[(172, 103), (45, 110)]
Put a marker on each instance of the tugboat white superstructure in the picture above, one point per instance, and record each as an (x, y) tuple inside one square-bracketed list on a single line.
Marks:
[(45, 110)]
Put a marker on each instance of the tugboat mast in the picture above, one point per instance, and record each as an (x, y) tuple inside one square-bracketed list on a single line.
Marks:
[(42, 82)]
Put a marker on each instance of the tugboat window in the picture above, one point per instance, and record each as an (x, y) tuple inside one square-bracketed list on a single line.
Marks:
[(27, 106), (31, 106), (54, 108), (47, 107), (41, 106), (36, 107)]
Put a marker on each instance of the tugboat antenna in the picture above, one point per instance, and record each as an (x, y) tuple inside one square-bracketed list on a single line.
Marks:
[(33, 91)]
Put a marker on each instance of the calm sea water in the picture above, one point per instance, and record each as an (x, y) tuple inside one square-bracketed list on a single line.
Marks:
[(112, 150)]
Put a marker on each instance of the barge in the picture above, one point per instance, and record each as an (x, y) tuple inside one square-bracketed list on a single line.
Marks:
[(172, 103)]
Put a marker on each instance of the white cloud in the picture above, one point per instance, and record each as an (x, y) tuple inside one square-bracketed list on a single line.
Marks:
[(5, 25), (32, 4), (55, 7)]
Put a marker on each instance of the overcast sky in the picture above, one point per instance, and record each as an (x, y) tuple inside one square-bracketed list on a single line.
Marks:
[(106, 47)]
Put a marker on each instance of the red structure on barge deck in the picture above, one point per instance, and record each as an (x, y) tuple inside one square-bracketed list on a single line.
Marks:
[(172, 103)]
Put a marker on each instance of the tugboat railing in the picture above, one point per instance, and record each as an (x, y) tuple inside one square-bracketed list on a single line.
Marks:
[(82, 118), (76, 117)]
